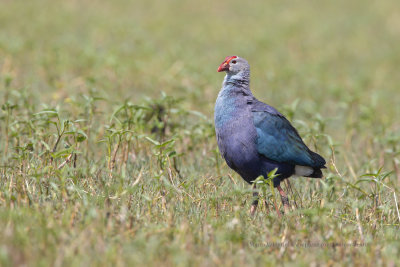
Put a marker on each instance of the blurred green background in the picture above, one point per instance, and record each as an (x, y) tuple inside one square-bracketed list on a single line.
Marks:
[(332, 50), (331, 66)]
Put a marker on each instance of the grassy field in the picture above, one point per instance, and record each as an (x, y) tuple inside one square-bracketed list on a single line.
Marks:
[(107, 147)]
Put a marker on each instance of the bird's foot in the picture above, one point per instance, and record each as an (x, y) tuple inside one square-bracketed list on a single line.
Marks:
[(277, 210), (286, 206), (254, 204), (285, 200), (253, 209)]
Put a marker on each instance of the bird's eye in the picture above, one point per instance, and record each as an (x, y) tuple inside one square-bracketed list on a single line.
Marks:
[(233, 61)]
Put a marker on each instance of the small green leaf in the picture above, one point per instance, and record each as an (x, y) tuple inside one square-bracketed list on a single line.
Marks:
[(152, 141)]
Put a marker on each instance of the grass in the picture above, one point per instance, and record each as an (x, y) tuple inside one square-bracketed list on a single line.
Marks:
[(107, 148)]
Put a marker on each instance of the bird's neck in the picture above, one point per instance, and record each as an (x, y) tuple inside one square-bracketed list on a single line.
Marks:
[(241, 79), (236, 85), (232, 98)]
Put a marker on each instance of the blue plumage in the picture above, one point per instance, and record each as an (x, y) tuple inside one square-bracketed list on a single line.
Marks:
[(253, 137), (275, 131)]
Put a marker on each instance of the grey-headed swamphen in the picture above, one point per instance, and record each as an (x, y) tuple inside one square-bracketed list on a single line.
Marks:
[(254, 138)]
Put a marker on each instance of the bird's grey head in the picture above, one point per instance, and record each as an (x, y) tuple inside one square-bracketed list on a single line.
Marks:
[(233, 65)]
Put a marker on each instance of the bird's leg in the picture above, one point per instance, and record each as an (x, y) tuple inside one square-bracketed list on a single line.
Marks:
[(289, 186), (254, 204), (284, 198)]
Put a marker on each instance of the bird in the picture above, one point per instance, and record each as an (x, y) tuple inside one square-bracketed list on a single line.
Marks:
[(254, 138)]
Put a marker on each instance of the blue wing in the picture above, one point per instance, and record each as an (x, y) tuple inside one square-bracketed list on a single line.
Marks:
[(278, 140)]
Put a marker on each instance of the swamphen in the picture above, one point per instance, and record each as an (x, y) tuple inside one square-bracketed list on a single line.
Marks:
[(254, 138)]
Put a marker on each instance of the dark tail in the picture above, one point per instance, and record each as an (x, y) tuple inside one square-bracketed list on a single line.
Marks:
[(320, 162), (317, 173)]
